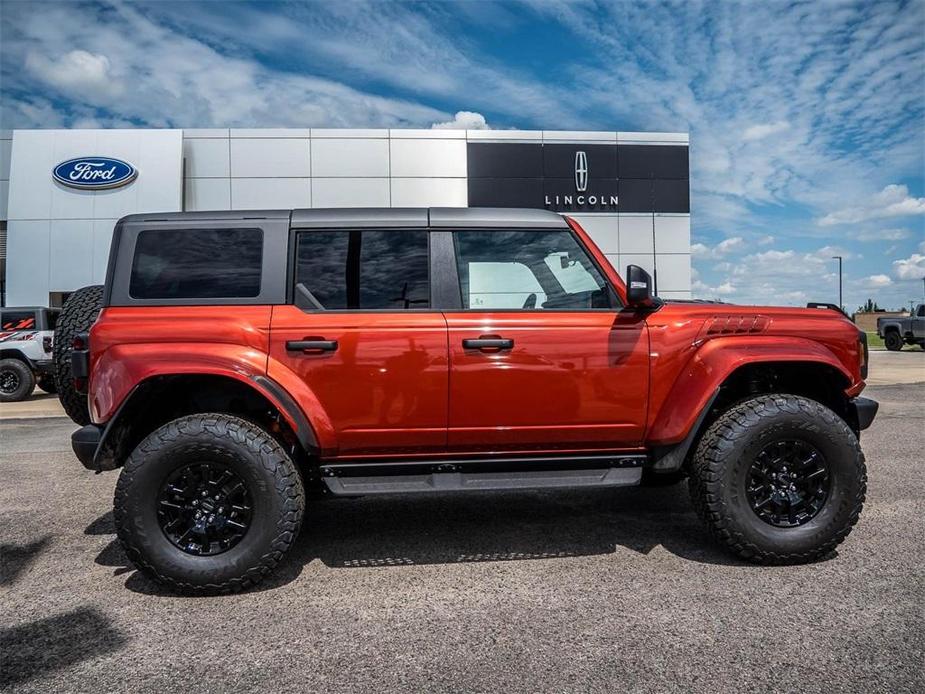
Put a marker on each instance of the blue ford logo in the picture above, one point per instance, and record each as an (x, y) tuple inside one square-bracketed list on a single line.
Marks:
[(94, 173)]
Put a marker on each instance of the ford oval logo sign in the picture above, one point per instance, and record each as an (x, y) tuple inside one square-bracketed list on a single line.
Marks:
[(94, 173)]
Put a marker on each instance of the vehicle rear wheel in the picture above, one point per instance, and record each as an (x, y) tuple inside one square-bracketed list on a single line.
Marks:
[(779, 479), (78, 314), (47, 383), (16, 380), (893, 341), (208, 503)]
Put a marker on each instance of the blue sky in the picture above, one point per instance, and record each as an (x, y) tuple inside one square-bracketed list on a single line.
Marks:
[(807, 119)]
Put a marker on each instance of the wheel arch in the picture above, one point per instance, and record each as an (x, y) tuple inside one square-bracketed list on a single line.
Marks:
[(16, 354), (164, 397), (816, 379)]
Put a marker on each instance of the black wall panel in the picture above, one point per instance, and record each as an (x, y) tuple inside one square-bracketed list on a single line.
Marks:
[(653, 161), (645, 178), (506, 192), (504, 160)]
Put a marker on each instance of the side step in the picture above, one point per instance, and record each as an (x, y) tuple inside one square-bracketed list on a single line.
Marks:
[(357, 479)]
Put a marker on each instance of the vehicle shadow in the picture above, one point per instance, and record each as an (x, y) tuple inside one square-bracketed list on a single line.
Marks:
[(15, 559), (491, 526), (55, 643)]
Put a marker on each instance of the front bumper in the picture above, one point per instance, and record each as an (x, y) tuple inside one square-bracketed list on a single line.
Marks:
[(864, 410), (85, 442)]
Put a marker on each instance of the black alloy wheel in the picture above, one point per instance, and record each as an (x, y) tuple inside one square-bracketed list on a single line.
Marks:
[(204, 508), (788, 483), (9, 381)]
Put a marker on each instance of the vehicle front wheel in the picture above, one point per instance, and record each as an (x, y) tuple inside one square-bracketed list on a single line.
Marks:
[(16, 380), (893, 341), (208, 503), (779, 479)]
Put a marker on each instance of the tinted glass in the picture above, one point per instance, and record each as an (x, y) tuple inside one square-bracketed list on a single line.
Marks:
[(528, 270), (364, 269), (17, 320), (197, 264)]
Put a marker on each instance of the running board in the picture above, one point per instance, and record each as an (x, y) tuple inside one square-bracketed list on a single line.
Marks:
[(357, 479)]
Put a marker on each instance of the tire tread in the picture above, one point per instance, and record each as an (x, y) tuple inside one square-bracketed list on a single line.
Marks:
[(706, 480), (274, 459)]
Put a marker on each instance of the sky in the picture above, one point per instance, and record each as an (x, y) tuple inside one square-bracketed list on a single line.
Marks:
[(806, 119)]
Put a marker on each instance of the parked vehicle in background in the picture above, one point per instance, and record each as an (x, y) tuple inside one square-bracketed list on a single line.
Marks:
[(26, 338), (240, 359), (896, 332)]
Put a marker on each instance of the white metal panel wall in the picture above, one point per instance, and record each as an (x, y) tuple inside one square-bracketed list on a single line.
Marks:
[(6, 150), (58, 237), (249, 169)]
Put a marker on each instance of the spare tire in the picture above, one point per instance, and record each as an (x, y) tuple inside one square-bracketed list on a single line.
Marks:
[(79, 313)]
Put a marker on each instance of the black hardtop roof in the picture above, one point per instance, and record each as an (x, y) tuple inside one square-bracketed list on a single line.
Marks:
[(425, 217)]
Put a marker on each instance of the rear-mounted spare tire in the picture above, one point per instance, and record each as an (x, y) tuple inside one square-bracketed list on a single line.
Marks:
[(79, 313)]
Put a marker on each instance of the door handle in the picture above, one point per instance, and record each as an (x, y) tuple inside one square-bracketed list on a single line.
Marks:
[(311, 345), (488, 343)]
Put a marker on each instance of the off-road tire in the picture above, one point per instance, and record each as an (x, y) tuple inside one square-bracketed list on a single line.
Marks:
[(78, 314), (272, 479), (893, 341), (22, 380), (47, 383), (725, 454)]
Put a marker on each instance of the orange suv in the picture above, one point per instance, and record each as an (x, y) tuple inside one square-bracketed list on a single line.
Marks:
[(233, 361)]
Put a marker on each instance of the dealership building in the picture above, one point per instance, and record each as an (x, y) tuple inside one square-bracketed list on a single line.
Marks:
[(61, 191)]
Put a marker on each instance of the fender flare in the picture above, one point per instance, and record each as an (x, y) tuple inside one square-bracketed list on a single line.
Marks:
[(712, 364), (264, 386)]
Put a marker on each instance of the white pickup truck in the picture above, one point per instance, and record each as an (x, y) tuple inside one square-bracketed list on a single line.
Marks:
[(26, 337), (896, 332)]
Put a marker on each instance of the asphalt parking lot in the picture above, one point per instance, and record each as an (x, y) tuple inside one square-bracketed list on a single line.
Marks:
[(617, 590)]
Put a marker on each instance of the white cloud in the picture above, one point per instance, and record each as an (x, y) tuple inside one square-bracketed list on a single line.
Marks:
[(720, 250), (75, 72), (774, 277), (881, 235), (464, 120), (173, 79), (911, 268), (763, 130), (892, 201), (702, 290), (765, 240), (877, 281)]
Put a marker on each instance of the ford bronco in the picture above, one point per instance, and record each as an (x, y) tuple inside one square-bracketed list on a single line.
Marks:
[(234, 362)]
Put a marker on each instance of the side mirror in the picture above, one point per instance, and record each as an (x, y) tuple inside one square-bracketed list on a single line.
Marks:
[(639, 288)]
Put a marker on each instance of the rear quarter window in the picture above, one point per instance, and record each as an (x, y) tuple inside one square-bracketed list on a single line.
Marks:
[(197, 264), (17, 320)]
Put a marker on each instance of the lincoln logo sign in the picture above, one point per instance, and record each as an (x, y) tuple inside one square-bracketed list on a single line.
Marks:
[(94, 173), (559, 197), (581, 171)]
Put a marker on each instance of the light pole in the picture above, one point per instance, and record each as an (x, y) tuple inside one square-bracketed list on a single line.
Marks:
[(840, 303)]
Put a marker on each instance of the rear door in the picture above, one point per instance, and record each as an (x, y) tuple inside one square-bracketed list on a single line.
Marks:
[(363, 335), (541, 357)]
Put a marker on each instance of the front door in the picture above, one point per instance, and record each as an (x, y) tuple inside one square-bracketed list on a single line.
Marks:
[(363, 337), (541, 358)]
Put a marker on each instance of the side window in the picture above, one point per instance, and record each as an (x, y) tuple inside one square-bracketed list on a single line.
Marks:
[(17, 320), (362, 270), (921, 312), (528, 270), (197, 264)]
